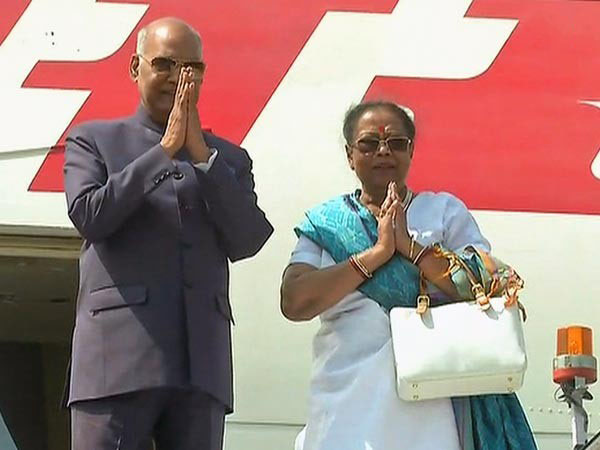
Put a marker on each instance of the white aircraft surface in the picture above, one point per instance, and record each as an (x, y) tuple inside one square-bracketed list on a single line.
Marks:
[(506, 95)]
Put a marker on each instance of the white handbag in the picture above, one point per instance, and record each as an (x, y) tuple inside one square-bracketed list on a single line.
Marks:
[(458, 349)]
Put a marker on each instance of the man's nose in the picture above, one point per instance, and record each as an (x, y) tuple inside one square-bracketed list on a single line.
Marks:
[(174, 73)]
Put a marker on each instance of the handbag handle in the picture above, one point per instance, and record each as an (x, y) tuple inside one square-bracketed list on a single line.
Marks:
[(477, 288), (456, 263), (423, 299)]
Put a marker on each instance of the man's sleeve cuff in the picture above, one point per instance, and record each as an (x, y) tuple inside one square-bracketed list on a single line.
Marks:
[(205, 166)]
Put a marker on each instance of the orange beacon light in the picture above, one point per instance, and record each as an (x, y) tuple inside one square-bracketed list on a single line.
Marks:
[(574, 368), (574, 356)]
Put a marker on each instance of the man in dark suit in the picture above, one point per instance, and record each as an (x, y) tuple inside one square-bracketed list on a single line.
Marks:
[(162, 206)]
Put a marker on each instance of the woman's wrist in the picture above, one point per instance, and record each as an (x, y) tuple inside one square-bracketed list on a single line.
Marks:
[(405, 245), (375, 257)]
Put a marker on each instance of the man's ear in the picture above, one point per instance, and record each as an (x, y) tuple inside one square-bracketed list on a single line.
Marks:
[(349, 156), (134, 67)]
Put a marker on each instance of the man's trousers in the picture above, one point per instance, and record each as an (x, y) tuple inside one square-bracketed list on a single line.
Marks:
[(176, 419)]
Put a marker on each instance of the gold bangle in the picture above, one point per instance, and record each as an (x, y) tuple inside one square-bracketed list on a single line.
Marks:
[(363, 267), (360, 267), (424, 250), (356, 268), (412, 248)]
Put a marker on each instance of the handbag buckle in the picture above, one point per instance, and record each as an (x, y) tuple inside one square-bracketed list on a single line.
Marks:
[(422, 304), (482, 300)]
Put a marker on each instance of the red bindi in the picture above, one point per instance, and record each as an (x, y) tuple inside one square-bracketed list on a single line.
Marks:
[(381, 130)]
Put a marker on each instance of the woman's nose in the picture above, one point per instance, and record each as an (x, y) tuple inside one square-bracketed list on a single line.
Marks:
[(383, 147)]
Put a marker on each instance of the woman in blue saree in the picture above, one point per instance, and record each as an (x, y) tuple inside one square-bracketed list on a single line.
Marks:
[(360, 254)]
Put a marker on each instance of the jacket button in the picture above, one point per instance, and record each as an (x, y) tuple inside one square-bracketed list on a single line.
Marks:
[(178, 175)]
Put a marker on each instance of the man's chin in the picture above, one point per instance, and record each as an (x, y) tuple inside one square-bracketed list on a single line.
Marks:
[(160, 111), (165, 104)]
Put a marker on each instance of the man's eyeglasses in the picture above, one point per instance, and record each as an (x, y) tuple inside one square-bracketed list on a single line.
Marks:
[(164, 64), (369, 146)]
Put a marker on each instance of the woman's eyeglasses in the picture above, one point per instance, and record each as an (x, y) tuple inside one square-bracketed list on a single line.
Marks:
[(369, 146), (164, 65)]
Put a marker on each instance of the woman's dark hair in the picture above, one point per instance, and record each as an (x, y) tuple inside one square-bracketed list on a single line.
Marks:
[(356, 112)]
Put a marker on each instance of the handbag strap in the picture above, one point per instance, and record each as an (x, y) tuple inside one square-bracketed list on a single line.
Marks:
[(424, 300), (483, 299), (456, 262)]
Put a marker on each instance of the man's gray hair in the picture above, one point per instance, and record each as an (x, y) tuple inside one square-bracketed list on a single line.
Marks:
[(141, 41)]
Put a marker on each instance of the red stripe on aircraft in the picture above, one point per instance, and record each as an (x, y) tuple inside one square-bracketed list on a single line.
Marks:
[(11, 11), (517, 137)]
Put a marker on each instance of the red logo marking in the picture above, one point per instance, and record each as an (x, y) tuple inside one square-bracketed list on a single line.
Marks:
[(515, 138), (11, 11)]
